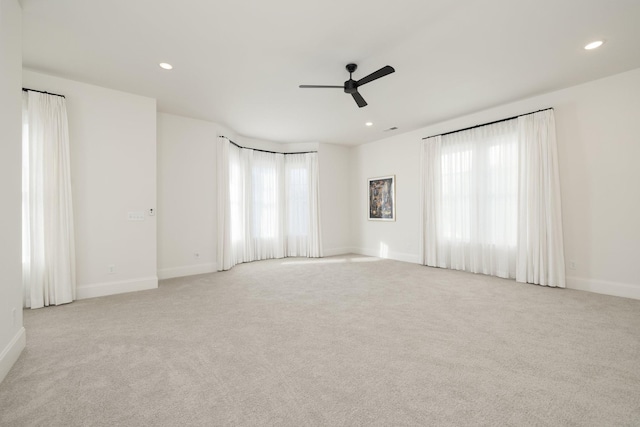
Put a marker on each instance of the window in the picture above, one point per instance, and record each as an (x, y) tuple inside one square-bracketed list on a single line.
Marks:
[(479, 185), (266, 197), (272, 206), (473, 185), (297, 181), (491, 200), (456, 195)]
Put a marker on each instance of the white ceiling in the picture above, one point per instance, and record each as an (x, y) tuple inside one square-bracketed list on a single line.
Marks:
[(239, 63)]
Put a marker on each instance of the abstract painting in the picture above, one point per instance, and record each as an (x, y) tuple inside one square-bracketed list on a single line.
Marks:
[(382, 198)]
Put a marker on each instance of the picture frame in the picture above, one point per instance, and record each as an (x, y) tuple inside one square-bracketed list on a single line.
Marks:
[(382, 198)]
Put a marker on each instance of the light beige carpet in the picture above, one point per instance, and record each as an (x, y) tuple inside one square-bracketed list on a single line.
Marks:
[(335, 342)]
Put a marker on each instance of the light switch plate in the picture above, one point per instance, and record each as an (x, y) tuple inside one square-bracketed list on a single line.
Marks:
[(135, 216)]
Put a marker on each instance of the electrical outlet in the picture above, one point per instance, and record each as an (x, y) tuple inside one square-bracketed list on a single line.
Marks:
[(152, 212), (111, 269), (572, 265)]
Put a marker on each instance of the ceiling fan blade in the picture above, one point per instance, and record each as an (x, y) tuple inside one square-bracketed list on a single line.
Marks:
[(359, 99), (387, 69), (319, 86)]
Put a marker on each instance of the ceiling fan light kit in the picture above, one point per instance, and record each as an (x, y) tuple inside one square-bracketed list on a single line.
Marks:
[(351, 86)]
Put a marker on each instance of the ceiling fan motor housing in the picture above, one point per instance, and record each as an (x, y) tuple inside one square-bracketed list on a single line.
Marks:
[(350, 86)]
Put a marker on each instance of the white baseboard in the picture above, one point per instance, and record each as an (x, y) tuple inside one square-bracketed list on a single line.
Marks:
[(616, 289), (11, 352), (189, 270), (397, 256), (336, 251), (112, 288)]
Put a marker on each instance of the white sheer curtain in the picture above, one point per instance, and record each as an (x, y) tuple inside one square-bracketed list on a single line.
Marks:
[(302, 209), (491, 201), (540, 244), (48, 251), (471, 204), (267, 205), (225, 256)]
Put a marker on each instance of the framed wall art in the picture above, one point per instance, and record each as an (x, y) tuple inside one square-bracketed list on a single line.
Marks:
[(382, 198)]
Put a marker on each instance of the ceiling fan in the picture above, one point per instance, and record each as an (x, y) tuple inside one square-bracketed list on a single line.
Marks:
[(351, 86)]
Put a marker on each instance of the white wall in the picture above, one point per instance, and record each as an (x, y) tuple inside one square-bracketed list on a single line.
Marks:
[(399, 156), (334, 170), (113, 171), (598, 131), (187, 193), (187, 188), (12, 334)]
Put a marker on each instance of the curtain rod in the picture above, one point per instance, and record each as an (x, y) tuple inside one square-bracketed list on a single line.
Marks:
[(487, 124), (265, 151), (26, 89)]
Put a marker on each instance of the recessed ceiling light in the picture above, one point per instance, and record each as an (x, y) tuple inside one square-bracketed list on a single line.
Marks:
[(369, 124), (166, 66), (594, 45)]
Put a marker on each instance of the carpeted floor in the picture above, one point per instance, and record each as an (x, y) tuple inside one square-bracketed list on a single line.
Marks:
[(333, 342)]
